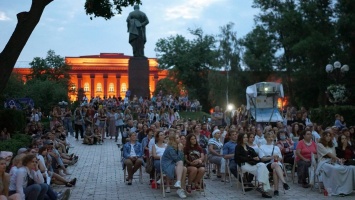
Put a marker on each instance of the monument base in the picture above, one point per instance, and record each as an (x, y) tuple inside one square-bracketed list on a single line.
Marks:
[(138, 77)]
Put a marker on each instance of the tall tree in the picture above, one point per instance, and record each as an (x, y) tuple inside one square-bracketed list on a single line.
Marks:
[(304, 38), (53, 68), (189, 61), (28, 20)]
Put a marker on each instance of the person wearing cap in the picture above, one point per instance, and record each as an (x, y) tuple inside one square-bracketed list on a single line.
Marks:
[(315, 135), (215, 153)]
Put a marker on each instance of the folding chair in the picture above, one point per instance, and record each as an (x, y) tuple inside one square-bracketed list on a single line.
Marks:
[(140, 175), (228, 171), (241, 177), (284, 166), (313, 180)]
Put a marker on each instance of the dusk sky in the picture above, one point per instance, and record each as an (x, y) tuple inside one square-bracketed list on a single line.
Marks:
[(66, 29)]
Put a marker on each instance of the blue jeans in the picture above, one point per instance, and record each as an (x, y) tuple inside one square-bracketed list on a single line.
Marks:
[(68, 125), (233, 167), (36, 191)]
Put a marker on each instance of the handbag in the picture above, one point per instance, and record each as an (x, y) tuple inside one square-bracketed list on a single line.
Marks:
[(266, 162), (149, 166)]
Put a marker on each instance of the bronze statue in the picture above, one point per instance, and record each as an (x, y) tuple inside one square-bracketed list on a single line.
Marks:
[(136, 22)]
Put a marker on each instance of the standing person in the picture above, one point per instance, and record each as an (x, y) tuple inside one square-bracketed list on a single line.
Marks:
[(217, 117), (119, 122), (68, 121), (111, 123), (78, 123), (136, 22), (172, 163), (102, 121)]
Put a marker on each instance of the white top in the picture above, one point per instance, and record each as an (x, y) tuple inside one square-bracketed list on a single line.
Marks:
[(266, 150), (315, 136), (259, 140), (150, 145), (13, 177), (256, 148), (160, 150), (132, 153), (21, 179)]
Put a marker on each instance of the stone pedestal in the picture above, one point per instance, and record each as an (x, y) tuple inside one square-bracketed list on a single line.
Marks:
[(138, 77)]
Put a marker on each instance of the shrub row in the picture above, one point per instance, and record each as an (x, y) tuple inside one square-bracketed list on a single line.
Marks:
[(16, 142), (326, 116), (13, 120)]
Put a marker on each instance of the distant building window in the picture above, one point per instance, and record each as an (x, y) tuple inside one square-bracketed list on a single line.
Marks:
[(123, 87), (99, 87), (86, 87), (111, 87)]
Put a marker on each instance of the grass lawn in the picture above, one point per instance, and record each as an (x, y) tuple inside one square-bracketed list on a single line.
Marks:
[(201, 116)]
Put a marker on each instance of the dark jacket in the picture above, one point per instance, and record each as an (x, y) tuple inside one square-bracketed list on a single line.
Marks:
[(241, 156)]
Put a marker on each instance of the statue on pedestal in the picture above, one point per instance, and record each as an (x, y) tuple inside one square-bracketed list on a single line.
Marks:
[(136, 22)]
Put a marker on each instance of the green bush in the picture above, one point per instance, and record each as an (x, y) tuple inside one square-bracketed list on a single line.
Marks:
[(326, 116), (13, 120), (16, 142)]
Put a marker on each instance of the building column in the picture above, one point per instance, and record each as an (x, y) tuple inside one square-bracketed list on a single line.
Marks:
[(92, 85), (80, 80), (118, 85), (105, 85), (156, 79)]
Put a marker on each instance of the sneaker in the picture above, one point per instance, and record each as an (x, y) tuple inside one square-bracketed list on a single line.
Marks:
[(286, 187), (65, 195), (167, 190), (181, 193), (177, 184)]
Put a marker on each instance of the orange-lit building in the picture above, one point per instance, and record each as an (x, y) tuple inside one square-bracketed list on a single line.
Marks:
[(103, 75)]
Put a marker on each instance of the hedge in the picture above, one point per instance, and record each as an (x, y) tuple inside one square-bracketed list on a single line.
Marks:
[(13, 120), (326, 116), (16, 142)]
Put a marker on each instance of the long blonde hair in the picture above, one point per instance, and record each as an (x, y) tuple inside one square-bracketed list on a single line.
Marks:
[(4, 182), (172, 140)]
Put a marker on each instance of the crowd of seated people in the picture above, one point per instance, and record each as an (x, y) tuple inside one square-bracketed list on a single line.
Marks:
[(272, 146), (31, 173)]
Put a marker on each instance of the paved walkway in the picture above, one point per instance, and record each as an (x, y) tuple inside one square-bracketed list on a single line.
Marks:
[(100, 177)]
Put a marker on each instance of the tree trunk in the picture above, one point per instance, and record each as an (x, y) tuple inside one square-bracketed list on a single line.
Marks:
[(26, 23)]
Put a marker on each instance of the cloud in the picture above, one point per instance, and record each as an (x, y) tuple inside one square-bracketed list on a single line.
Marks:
[(3, 16), (189, 9), (60, 29)]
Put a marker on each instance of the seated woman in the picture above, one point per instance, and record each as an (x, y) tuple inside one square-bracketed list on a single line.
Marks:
[(132, 156), (338, 178), (97, 135), (29, 181), (345, 151), (271, 155), (194, 159), (158, 151), (286, 146), (215, 155), (5, 182), (172, 163), (248, 160), (89, 136), (49, 175), (251, 139), (304, 150)]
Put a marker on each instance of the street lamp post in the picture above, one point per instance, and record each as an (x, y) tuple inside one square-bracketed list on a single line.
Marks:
[(336, 93)]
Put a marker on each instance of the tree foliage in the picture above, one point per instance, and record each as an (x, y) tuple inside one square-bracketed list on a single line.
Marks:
[(46, 93), (53, 68), (107, 8), (167, 86), (189, 62)]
